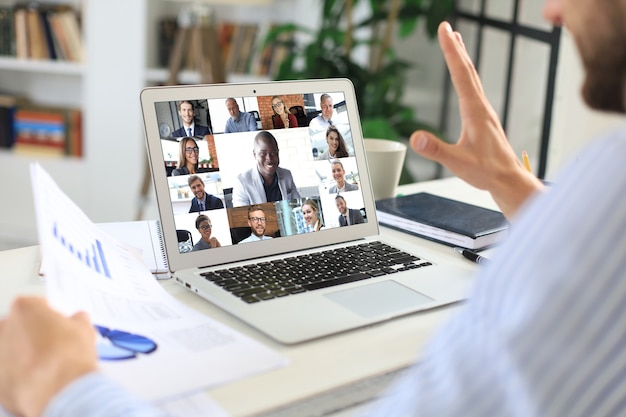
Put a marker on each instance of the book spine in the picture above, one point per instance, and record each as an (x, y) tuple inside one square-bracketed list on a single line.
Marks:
[(37, 42), (7, 31), (21, 33), (47, 32)]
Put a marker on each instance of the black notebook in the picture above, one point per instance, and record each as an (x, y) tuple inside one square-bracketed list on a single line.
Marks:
[(444, 220)]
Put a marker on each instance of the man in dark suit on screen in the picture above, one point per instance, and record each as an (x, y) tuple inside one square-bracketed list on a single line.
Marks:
[(202, 201), (189, 127), (347, 216)]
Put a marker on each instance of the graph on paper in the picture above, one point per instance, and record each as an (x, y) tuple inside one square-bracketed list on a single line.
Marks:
[(90, 253)]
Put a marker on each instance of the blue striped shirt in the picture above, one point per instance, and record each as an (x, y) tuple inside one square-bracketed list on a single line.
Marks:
[(542, 332)]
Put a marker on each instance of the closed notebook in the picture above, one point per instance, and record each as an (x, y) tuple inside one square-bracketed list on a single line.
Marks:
[(444, 220)]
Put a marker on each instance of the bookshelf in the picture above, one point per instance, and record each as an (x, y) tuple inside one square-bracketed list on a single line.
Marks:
[(119, 39)]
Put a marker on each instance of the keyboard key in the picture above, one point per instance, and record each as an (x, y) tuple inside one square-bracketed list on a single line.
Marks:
[(337, 281)]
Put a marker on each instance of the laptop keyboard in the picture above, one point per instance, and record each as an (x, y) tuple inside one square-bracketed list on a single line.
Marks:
[(282, 277)]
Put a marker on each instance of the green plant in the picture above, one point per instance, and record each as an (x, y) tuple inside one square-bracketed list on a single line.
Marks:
[(363, 52)]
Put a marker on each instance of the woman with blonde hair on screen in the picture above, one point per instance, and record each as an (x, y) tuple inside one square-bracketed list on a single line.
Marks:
[(282, 118), (311, 214)]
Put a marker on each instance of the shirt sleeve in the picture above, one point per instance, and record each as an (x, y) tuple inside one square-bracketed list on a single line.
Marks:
[(240, 197), (251, 122), (227, 128), (95, 395)]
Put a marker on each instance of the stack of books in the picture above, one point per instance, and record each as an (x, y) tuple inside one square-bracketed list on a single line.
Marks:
[(241, 47), (27, 128)]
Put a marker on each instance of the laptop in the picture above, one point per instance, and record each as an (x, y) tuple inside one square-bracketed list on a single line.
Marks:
[(260, 228)]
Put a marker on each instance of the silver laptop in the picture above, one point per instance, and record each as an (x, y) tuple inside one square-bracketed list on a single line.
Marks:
[(278, 225)]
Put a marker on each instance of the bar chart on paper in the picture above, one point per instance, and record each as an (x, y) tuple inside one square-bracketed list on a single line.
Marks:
[(90, 254)]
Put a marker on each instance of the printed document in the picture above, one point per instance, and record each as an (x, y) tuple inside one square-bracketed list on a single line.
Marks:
[(147, 340)]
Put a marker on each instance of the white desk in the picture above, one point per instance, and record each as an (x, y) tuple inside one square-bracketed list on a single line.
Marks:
[(316, 367)]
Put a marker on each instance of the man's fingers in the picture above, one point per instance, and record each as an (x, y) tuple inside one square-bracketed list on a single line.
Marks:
[(462, 71), (429, 146)]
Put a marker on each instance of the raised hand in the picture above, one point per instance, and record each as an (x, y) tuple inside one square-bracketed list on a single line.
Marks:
[(482, 156)]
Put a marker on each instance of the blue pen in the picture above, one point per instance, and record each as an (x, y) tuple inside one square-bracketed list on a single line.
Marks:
[(472, 256)]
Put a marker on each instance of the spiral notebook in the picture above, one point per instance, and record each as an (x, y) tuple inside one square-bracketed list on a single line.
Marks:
[(147, 237)]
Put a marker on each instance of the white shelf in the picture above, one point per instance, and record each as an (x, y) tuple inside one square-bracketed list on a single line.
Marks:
[(41, 66)]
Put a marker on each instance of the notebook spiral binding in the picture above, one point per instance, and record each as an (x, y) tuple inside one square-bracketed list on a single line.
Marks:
[(160, 237)]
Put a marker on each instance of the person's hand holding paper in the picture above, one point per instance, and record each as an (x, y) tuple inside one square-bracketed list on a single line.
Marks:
[(482, 155), (41, 352)]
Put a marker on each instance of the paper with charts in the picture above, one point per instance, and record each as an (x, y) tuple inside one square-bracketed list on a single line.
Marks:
[(148, 341)]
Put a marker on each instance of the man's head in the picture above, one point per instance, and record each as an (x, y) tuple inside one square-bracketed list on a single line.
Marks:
[(326, 103), (185, 111), (257, 220), (341, 205), (337, 170), (597, 29), (233, 107), (197, 186), (266, 153)]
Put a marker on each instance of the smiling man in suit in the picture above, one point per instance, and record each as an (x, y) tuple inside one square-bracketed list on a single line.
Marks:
[(347, 216), (186, 112), (202, 201)]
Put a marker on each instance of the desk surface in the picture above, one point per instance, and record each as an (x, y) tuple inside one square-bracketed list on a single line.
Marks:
[(315, 367)]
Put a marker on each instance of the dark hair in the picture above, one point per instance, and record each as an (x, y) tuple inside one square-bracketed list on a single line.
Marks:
[(339, 196), (342, 149), (337, 162), (193, 178), (182, 155), (264, 134), (202, 218)]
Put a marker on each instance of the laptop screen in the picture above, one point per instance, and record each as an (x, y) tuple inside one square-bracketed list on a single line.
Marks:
[(248, 170)]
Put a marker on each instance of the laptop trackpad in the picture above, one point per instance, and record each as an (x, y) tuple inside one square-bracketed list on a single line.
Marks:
[(382, 298)]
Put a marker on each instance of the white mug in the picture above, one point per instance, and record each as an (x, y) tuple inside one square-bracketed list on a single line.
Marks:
[(385, 159)]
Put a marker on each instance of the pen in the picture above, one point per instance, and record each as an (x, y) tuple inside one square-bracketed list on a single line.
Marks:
[(526, 161), (472, 256)]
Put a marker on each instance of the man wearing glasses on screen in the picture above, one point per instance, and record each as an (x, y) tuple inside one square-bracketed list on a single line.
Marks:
[(257, 222)]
